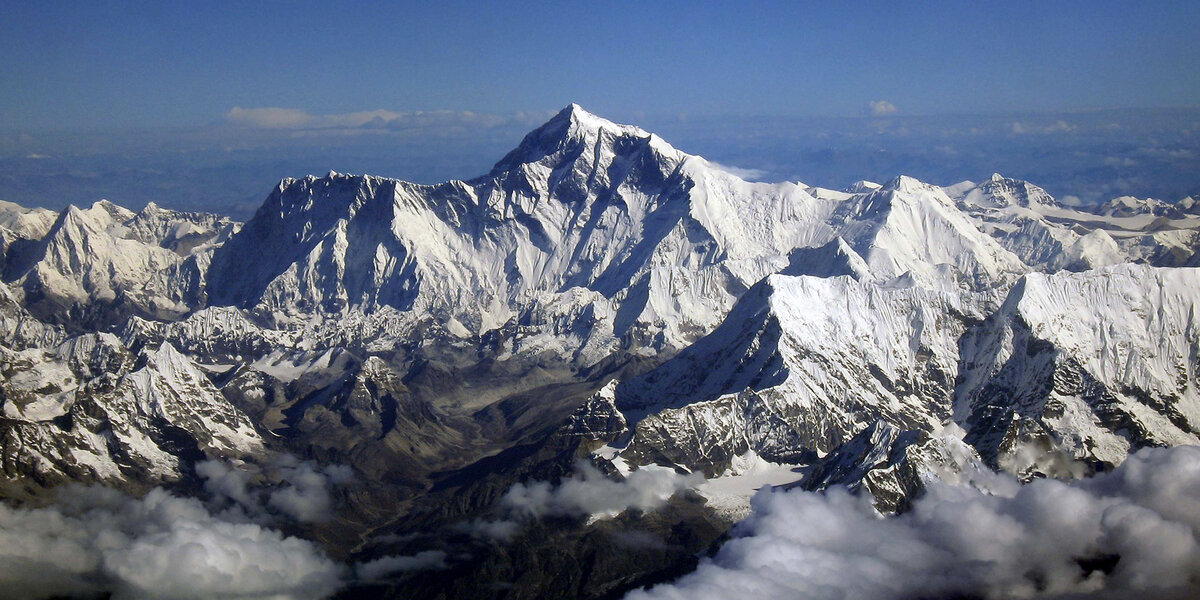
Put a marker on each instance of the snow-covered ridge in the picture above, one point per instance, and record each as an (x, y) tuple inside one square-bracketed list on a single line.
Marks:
[(97, 265), (1092, 365)]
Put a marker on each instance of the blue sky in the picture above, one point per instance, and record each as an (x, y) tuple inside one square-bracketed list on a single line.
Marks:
[(112, 64), (206, 105)]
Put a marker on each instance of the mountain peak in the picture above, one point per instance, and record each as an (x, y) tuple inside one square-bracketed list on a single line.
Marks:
[(574, 121), (579, 118), (567, 132), (905, 184)]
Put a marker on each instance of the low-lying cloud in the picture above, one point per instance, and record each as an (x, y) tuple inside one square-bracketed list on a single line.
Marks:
[(389, 565), (587, 493), (1058, 126), (297, 489), (590, 492), (1132, 532), (97, 541)]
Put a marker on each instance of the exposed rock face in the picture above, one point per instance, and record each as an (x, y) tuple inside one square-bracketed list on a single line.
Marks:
[(803, 364), (598, 419), (892, 465)]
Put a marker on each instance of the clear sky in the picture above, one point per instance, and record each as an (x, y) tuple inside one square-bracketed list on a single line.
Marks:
[(89, 65)]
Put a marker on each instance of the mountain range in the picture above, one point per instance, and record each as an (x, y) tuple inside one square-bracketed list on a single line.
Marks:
[(597, 307)]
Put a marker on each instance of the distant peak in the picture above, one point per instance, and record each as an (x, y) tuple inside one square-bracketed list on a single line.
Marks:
[(861, 186), (904, 183), (574, 109), (997, 177), (72, 211)]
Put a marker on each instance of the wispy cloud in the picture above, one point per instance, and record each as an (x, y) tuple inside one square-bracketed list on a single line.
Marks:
[(381, 567), (298, 489), (741, 173), (272, 117), (1059, 126), (590, 492)]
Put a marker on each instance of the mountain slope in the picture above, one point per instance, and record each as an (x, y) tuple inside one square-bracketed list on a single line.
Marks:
[(1096, 364), (801, 365)]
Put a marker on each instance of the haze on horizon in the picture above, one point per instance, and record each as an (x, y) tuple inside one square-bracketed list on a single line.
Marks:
[(205, 105)]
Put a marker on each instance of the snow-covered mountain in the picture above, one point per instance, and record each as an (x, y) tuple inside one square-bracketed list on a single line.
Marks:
[(1049, 237), (589, 238), (598, 295), (588, 230), (1093, 365), (94, 267), (91, 410), (801, 365)]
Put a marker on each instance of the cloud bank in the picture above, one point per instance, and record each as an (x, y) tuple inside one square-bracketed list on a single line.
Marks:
[(97, 540), (1129, 533), (1022, 128)]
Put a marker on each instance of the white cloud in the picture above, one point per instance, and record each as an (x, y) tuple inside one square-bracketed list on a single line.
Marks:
[(881, 108), (97, 540), (501, 530), (305, 493), (590, 492), (587, 493), (1044, 539)]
